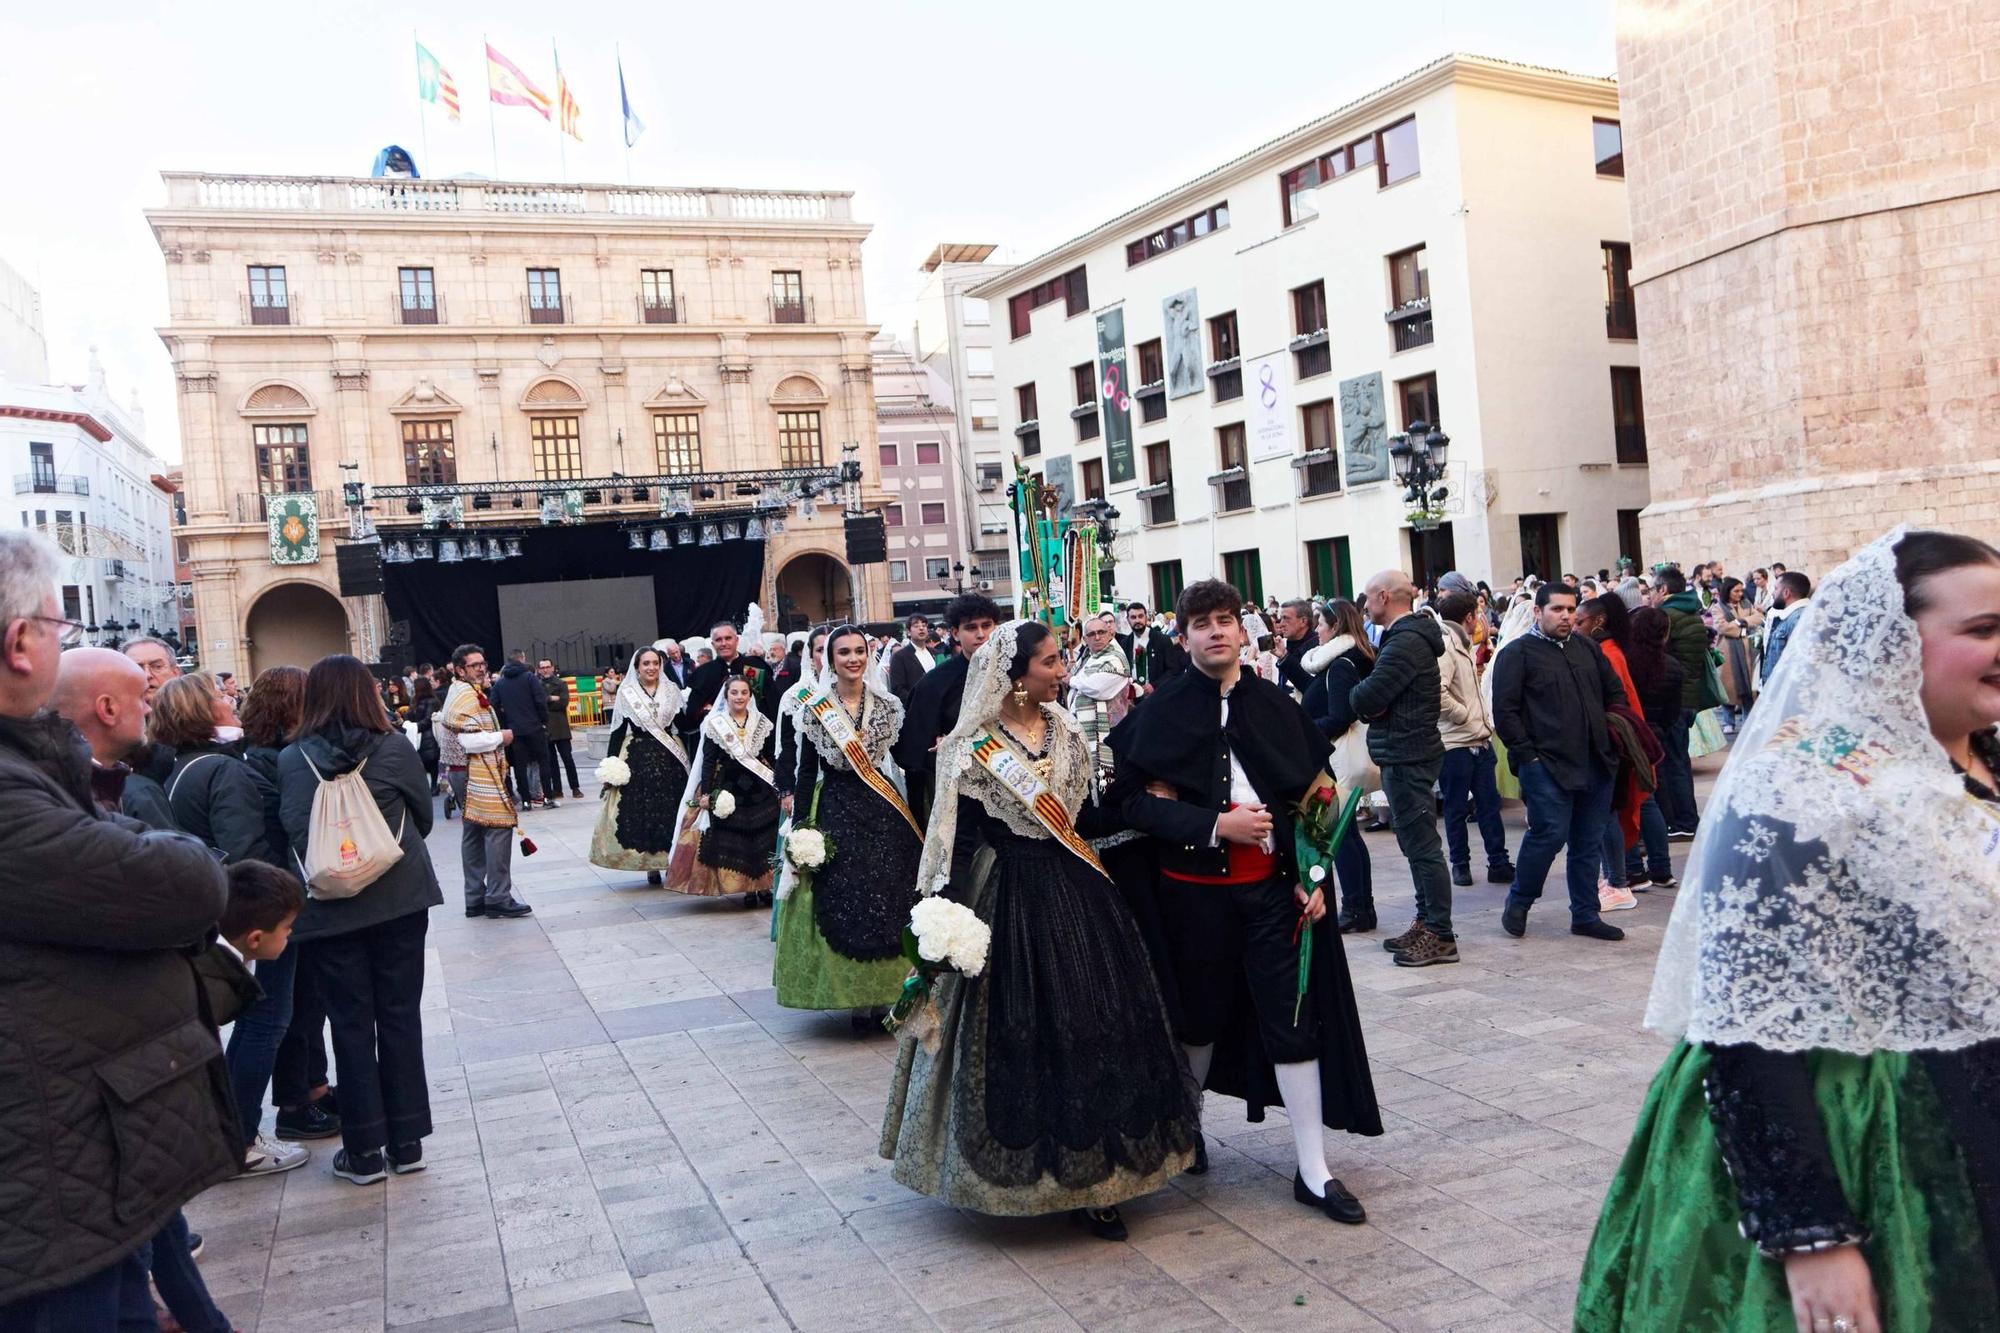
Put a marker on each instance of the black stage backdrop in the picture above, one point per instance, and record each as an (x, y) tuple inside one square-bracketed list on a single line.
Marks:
[(693, 586)]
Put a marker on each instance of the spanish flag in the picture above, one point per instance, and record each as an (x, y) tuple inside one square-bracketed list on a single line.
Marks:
[(508, 86)]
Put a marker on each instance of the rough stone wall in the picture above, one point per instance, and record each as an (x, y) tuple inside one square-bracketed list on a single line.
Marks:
[(1815, 193)]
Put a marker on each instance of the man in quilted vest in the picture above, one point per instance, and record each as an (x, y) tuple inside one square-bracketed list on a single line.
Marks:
[(115, 1106)]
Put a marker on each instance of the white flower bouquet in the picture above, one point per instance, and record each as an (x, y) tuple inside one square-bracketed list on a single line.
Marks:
[(950, 934), (943, 936), (723, 806), (613, 771), (808, 849)]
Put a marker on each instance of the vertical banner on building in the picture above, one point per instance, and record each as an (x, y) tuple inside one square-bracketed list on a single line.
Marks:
[(1115, 397), (294, 521), (1180, 316), (1270, 392)]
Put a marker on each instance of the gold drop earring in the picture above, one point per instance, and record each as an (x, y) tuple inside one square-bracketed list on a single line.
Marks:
[(1021, 693)]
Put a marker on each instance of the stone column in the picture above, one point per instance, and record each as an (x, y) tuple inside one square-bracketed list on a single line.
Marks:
[(1814, 231)]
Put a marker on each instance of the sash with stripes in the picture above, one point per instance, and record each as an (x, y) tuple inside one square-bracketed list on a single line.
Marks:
[(1019, 777), (841, 728), (718, 728)]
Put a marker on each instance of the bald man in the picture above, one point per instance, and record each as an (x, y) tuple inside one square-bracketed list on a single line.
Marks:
[(1400, 701), (104, 694)]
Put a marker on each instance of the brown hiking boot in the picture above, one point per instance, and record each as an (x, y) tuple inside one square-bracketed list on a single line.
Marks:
[(1428, 950), (1398, 943)]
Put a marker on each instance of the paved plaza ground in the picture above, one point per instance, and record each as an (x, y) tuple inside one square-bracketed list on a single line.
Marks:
[(631, 1134)]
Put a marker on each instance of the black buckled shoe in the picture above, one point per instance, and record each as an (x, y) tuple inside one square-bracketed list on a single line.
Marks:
[(1103, 1223), (1338, 1203)]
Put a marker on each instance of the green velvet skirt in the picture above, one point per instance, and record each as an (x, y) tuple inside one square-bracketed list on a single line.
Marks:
[(1668, 1253), (809, 974)]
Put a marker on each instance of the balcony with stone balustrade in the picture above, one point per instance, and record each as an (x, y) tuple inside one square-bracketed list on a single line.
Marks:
[(192, 191)]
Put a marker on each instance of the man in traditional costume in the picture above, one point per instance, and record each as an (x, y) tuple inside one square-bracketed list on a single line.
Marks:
[(486, 836), (1213, 766), (933, 708), (706, 684)]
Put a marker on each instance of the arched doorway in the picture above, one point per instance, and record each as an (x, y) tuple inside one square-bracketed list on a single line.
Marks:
[(295, 624), (812, 588)]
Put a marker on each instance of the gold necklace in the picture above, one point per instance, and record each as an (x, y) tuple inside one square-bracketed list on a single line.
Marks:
[(1040, 757)]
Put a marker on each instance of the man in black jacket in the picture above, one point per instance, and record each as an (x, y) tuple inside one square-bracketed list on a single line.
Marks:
[(1214, 767), (1551, 688), (914, 660), (557, 686), (115, 1106), (1400, 700), (522, 702), (933, 707), (1295, 627), (706, 682), (1154, 657)]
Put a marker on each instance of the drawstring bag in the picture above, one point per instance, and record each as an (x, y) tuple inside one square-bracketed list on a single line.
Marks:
[(348, 843)]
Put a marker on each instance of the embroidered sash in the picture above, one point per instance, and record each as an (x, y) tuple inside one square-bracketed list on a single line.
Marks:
[(644, 709), (840, 727), (1019, 777), (722, 731)]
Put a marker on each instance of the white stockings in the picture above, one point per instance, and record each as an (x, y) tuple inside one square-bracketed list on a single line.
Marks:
[(1299, 1083)]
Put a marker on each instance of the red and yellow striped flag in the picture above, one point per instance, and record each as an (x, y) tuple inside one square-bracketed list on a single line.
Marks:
[(510, 87), (567, 108)]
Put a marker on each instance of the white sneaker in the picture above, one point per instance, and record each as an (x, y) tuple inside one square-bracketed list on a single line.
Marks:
[(268, 1156), (1611, 899)]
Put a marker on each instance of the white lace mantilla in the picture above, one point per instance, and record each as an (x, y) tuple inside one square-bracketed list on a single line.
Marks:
[(1069, 776), (881, 723), (1844, 890), (986, 688)]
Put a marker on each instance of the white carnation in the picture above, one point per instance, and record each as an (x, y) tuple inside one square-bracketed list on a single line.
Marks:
[(613, 771), (807, 848), (724, 805), (949, 932)]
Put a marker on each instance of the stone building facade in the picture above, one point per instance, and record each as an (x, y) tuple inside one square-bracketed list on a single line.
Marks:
[(458, 332), (921, 454), (1816, 260)]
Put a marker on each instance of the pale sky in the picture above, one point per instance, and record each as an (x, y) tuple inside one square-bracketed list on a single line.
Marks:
[(1020, 124)]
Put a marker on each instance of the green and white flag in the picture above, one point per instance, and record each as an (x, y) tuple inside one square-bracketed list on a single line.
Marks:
[(294, 520)]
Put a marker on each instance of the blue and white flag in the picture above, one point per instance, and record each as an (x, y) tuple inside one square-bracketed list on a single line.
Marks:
[(634, 127)]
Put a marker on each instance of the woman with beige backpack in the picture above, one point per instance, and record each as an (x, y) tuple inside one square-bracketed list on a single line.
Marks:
[(367, 910)]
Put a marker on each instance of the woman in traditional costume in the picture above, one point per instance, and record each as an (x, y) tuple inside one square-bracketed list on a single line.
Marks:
[(840, 931), (1052, 1081), (736, 788), (635, 825), (1821, 1150)]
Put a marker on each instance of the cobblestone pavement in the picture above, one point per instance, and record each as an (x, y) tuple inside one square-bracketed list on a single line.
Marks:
[(631, 1133)]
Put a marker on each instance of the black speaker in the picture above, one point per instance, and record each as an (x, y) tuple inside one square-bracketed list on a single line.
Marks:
[(360, 567), (867, 541)]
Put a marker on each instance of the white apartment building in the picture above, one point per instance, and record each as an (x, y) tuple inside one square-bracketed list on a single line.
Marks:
[(954, 334), (1451, 249), (84, 477)]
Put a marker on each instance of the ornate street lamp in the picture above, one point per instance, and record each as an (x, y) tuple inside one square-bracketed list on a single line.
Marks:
[(1419, 456), (956, 584)]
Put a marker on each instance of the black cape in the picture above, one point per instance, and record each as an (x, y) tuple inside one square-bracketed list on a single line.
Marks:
[(1174, 738)]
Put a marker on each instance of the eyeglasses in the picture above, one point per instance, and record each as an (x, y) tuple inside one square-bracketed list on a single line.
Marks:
[(68, 626), (473, 664)]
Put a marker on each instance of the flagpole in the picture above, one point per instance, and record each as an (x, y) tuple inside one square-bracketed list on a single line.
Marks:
[(562, 149), (492, 132), (623, 132), (423, 121)]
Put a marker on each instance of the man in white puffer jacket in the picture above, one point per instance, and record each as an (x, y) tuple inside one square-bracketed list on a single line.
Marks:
[(1467, 732)]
